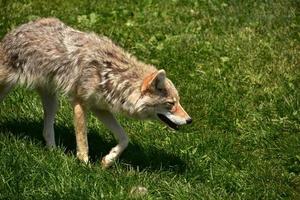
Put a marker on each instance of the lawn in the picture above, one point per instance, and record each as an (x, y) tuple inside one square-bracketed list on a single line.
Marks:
[(236, 65)]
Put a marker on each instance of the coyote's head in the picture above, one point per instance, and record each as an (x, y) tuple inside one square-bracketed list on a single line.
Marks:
[(160, 100)]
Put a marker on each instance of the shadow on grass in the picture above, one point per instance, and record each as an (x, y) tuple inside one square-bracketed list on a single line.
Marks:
[(144, 159)]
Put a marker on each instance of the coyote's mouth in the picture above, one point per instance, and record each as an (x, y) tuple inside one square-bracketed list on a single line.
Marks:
[(168, 121)]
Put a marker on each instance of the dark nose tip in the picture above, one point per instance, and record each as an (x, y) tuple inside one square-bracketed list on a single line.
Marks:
[(188, 121)]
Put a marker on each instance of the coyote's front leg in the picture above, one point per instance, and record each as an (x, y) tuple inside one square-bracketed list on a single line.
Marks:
[(81, 131), (111, 123)]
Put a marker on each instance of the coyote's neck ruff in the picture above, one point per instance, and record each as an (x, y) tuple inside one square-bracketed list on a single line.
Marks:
[(95, 73)]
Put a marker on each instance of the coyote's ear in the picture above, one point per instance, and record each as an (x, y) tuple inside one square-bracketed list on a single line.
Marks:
[(155, 80)]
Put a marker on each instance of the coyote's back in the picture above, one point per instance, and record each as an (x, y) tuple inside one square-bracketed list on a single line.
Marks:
[(46, 52), (35, 52)]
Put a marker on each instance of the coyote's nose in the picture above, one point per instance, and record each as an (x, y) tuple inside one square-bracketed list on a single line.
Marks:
[(189, 120)]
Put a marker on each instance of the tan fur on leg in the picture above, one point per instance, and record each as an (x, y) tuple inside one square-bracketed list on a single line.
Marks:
[(81, 131)]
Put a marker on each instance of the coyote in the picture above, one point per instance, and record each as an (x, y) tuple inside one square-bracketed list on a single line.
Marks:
[(51, 57)]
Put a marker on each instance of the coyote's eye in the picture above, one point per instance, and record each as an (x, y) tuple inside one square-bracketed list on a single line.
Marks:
[(170, 103)]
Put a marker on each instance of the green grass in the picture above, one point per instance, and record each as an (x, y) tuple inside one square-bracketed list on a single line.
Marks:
[(236, 65)]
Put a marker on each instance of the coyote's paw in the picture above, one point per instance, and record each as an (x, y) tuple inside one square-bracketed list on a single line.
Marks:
[(107, 162), (83, 158)]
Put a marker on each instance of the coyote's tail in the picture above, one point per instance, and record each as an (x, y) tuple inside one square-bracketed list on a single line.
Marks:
[(4, 70)]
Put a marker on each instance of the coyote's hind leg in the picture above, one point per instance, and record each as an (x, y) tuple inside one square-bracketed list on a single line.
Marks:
[(50, 105)]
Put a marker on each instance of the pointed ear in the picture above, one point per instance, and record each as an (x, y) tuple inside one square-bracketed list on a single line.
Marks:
[(159, 80), (155, 80)]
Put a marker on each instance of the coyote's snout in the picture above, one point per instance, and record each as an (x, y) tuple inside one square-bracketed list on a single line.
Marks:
[(175, 117), (94, 73)]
